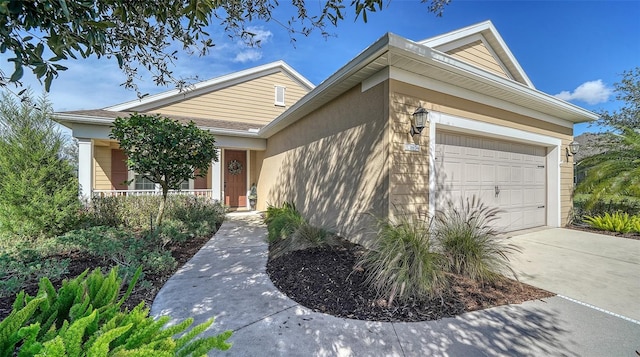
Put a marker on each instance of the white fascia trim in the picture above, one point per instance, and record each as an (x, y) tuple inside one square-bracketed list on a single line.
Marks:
[(82, 119), (449, 63), (217, 83), (440, 120), (455, 34), (439, 86), (507, 51)]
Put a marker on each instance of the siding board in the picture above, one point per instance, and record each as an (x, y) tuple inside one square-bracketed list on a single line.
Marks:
[(248, 102), (478, 54)]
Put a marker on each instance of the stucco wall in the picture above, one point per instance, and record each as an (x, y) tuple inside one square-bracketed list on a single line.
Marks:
[(405, 97), (333, 164)]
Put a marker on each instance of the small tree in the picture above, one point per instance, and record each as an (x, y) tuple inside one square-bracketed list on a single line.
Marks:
[(627, 91), (38, 186), (164, 151)]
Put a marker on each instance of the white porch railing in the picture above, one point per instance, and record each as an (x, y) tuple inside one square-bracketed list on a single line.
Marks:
[(110, 193)]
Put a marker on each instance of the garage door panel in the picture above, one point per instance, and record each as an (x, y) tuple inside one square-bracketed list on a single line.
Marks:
[(476, 166), (529, 175), (487, 173), (452, 172)]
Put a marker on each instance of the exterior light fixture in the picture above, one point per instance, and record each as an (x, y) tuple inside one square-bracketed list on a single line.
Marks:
[(572, 149), (420, 117)]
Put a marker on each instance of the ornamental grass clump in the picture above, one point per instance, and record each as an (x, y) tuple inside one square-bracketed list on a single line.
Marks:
[(289, 231), (401, 264), (467, 237), (282, 221)]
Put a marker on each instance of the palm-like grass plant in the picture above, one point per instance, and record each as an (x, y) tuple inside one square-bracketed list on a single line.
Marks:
[(614, 173), (401, 264), (471, 245)]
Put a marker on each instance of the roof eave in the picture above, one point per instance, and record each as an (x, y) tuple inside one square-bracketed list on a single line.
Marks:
[(93, 120), (403, 46)]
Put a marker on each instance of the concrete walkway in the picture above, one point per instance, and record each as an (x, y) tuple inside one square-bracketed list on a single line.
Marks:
[(227, 279)]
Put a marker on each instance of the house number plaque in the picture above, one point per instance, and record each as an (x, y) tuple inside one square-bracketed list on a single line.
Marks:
[(412, 147)]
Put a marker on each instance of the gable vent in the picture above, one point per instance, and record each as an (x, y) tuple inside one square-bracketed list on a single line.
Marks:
[(279, 98)]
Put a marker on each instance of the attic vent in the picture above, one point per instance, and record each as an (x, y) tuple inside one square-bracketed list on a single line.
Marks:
[(280, 95)]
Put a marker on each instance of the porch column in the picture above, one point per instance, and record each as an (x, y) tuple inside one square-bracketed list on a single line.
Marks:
[(216, 180), (248, 178), (85, 167)]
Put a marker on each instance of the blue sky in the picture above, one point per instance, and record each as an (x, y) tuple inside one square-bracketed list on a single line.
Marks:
[(576, 49)]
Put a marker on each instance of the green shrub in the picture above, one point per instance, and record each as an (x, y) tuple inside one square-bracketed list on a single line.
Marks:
[(616, 222), (282, 221), (471, 245), (401, 264), (121, 247), (304, 237), (38, 185), (84, 318), (201, 216), (584, 205), (27, 266)]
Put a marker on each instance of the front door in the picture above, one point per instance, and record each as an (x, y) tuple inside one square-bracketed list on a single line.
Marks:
[(235, 178)]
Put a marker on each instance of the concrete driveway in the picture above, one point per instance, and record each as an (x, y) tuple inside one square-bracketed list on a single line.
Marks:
[(594, 269)]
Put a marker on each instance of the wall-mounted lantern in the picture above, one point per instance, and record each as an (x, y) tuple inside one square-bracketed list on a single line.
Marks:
[(420, 118), (572, 149)]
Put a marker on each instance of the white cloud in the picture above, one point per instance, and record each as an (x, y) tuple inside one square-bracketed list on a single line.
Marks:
[(592, 92), (247, 56), (259, 34), (247, 53)]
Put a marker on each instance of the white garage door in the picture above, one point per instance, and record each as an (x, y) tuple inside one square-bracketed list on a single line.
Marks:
[(508, 175)]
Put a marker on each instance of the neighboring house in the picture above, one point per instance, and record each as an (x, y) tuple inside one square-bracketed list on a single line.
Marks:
[(344, 149)]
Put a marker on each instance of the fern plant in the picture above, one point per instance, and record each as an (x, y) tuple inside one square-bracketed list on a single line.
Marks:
[(84, 318), (616, 222)]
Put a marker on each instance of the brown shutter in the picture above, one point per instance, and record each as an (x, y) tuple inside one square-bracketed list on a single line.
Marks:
[(119, 170), (200, 183)]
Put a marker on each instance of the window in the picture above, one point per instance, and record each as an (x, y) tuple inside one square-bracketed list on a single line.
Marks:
[(280, 95), (184, 185), (142, 183)]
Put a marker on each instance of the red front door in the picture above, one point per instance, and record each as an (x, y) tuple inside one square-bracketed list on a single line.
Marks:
[(235, 178)]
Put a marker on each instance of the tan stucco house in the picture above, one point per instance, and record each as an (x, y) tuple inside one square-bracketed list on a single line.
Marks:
[(345, 148)]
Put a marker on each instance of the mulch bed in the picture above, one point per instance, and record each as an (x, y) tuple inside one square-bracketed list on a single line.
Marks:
[(324, 280), (145, 291), (586, 228)]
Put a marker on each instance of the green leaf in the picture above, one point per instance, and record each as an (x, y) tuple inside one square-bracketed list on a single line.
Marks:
[(17, 74)]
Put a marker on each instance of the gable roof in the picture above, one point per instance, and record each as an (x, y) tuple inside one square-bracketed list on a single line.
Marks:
[(395, 57), (487, 33), (172, 96)]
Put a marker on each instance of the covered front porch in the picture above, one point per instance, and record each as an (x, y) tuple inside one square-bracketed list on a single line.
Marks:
[(103, 172)]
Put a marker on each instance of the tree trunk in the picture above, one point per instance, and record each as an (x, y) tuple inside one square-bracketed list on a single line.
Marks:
[(165, 191)]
